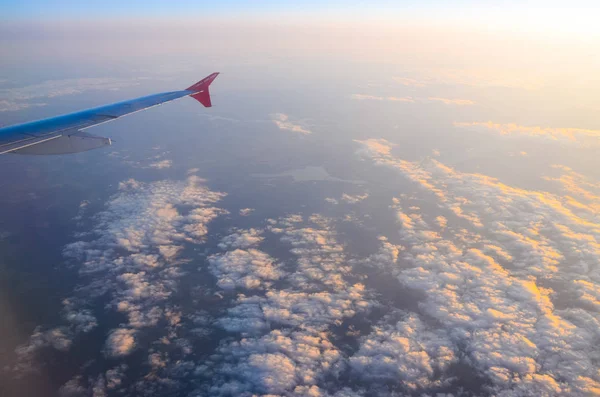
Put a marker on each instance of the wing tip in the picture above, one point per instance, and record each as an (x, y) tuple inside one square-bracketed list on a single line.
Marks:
[(204, 83), (202, 93)]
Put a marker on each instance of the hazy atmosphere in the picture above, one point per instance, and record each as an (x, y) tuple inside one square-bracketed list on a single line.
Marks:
[(386, 199)]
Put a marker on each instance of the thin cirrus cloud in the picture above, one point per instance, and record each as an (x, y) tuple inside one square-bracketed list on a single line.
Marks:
[(14, 99), (476, 77), (577, 136), (364, 97), (493, 286), (411, 82), (445, 101)]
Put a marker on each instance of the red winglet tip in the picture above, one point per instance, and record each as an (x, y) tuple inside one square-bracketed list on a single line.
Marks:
[(204, 83), (202, 94)]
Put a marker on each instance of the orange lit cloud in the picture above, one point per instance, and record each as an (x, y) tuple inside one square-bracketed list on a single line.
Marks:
[(563, 135), (493, 283), (447, 101)]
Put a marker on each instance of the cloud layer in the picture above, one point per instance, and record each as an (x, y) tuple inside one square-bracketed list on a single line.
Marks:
[(514, 287), (284, 346), (131, 262)]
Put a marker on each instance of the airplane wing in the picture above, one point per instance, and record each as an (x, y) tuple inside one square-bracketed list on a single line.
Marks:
[(65, 134)]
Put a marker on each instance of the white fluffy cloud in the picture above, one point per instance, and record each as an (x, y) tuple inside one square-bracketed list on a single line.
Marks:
[(314, 297), (407, 351), (276, 363), (248, 269), (131, 260), (242, 239)]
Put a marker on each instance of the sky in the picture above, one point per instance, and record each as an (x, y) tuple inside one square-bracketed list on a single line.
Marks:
[(553, 14), (157, 7)]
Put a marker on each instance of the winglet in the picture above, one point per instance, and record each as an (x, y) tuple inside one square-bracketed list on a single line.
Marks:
[(202, 94)]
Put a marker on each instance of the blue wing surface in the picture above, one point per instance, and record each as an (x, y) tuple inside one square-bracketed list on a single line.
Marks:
[(64, 134)]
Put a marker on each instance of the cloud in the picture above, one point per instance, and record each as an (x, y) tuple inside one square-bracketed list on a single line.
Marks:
[(130, 266), (580, 193), (161, 164), (493, 284), (246, 211), (407, 351), (381, 98), (248, 269), (445, 101), (284, 346), (374, 148), (354, 199), (13, 99), (120, 342), (114, 377), (282, 121), (467, 77), (368, 97), (277, 363), (73, 388), (411, 82), (320, 262), (60, 338), (99, 389), (242, 239), (82, 320), (580, 136), (488, 262), (348, 198), (11, 106)]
